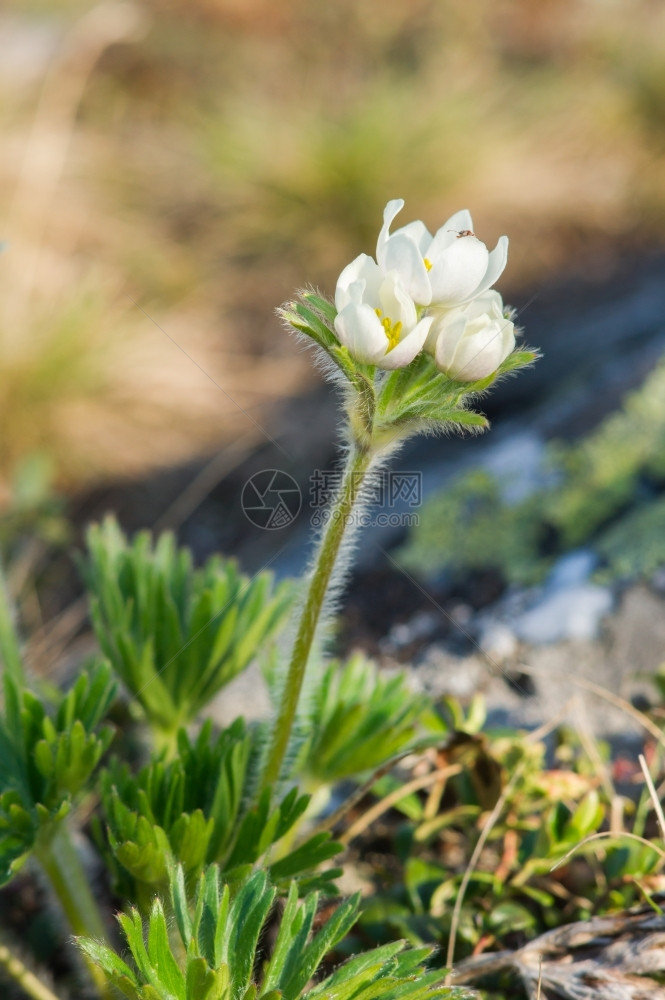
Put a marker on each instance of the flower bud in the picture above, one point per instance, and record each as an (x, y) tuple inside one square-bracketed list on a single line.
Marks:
[(471, 341)]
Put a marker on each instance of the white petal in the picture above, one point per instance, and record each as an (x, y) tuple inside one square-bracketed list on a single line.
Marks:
[(355, 292), (409, 346), (479, 355), (488, 303), (457, 272), (359, 329), (446, 235), (430, 343), (389, 213), (443, 239), (419, 233), (401, 255), (495, 266), (397, 304), (448, 332), (363, 268), (459, 221)]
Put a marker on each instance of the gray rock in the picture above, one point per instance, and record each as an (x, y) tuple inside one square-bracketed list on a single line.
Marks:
[(572, 569), (571, 613), (439, 673), (516, 462), (420, 626)]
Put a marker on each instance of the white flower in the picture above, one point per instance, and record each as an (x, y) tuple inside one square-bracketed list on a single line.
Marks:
[(471, 341), (376, 319), (447, 269)]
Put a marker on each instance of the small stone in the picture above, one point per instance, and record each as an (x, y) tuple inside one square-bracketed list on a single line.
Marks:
[(421, 626), (461, 614), (399, 635), (498, 642), (440, 673)]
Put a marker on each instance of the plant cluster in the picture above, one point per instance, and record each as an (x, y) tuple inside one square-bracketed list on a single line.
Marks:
[(541, 865), (220, 944), (46, 759), (220, 845)]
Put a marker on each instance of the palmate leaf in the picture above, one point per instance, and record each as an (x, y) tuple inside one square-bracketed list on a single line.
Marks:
[(46, 760), (174, 634), (220, 941), (196, 810), (359, 720)]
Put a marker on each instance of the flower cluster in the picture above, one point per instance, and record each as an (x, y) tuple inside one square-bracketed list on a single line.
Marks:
[(429, 293)]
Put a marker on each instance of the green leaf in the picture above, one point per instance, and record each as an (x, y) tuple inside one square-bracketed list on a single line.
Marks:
[(160, 954), (218, 958), (323, 306), (174, 634), (47, 757), (359, 720), (205, 984), (248, 914), (107, 959)]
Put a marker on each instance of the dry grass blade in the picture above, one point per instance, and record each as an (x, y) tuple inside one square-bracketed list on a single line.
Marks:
[(654, 795), (202, 485), (603, 835), (482, 839), (533, 737), (54, 124), (388, 801), (23, 977)]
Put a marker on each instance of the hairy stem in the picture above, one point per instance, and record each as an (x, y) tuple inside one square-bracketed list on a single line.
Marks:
[(26, 980), (61, 863), (356, 469)]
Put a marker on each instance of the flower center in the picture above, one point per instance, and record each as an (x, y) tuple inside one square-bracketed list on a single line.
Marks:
[(393, 330), (427, 263)]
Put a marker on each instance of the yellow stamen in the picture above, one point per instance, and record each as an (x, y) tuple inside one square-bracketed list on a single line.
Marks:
[(393, 331), (379, 312), (427, 263)]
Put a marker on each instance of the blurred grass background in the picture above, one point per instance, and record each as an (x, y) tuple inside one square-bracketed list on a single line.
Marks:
[(186, 165)]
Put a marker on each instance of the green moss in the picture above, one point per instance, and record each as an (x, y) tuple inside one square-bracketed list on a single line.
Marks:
[(469, 527), (596, 479), (635, 546)]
